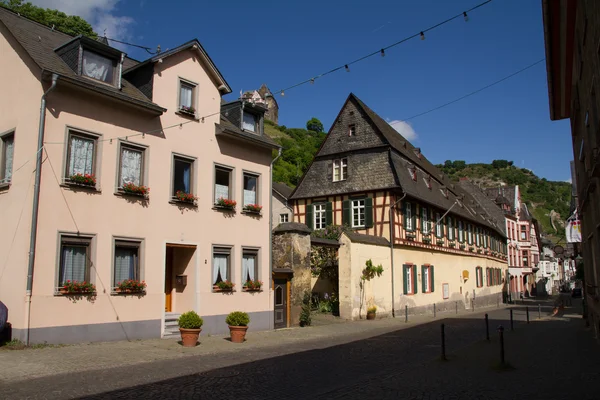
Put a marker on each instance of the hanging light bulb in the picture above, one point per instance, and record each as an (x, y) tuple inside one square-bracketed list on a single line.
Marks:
[(382, 53), (312, 81), (282, 93), (466, 16), (347, 68), (422, 36), (202, 119), (110, 141)]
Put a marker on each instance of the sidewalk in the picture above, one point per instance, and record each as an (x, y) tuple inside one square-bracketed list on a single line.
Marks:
[(18, 365)]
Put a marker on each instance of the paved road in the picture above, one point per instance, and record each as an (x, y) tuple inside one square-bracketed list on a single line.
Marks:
[(397, 364)]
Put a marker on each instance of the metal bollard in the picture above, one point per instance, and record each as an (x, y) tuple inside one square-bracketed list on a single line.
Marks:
[(472, 305), (512, 328), (405, 313), (539, 311), (457, 307), (443, 343), (501, 335), (433, 310), (487, 328), (527, 312)]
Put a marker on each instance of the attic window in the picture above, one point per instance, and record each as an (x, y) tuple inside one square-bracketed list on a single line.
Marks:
[(427, 180), (444, 191), (340, 169), (250, 122), (98, 67), (352, 130), (413, 173)]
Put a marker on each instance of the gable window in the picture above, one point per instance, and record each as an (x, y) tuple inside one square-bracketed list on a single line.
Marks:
[(352, 130), (183, 170), (221, 264), (187, 96), (358, 213), (283, 218), (439, 228), (98, 67), (127, 261), (523, 232), (131, 165), (222, 183), (461, 232), (340, 169), (320, 216), (249, 265), (450, 228), (81, 154), (410, 281), (74, 259), (7, 151), (425, 227), (250, 189), (250, 122), (427, 278)]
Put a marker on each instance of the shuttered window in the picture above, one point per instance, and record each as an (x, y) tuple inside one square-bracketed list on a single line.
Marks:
[(409, 279), (358, 213), (427, 279), (319, 215)]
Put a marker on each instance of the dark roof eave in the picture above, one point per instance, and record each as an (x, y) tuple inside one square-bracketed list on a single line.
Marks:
[(324, 242), (294, 197), (235, 135)]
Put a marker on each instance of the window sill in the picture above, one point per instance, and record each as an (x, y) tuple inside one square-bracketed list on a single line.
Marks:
[(72, 294), (79, 186), (224, 209), (5, 186), (117, 292), (122, 193), (252, 290), (251, 212), (182, 203), (187, 114), (217, 290)]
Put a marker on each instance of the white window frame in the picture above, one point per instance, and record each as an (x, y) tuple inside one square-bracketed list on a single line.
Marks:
[(425, 221), (320, 216), (439, 232), (194, 87), (427, 277), (409, 220), (409, 280), (358, 205), (340, 169), (461, 232)]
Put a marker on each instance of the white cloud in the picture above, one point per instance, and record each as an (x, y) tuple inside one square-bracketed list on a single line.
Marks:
[(99, 13), (569, 180), (405, 129)]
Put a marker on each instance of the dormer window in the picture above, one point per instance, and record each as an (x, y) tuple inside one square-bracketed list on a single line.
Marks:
[(250, 122), (98, 67), (413, 172)]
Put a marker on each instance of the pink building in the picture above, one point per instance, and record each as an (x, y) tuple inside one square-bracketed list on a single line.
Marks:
[(112, 127)]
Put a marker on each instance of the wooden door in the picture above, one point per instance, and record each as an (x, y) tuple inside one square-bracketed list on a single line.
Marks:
[(280, 313), (168, 279)]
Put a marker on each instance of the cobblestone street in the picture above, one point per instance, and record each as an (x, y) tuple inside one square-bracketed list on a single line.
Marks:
[(388, 359)]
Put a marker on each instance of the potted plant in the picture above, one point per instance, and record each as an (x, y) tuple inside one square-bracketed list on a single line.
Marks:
[(410, 235), (238, 325), (224, 286), (225, 203), (426, 239), (136, 190), (74, 287), (83, 179), (452, 244), (252, 285), (371, 312), (184, 197), (190, 326), (471, 248), (252, 208), (130, 286), (188, 110), (440, 242), (462, 246)]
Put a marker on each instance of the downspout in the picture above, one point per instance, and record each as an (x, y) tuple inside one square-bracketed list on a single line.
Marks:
[(392, 230), (271, 214), (36, 203)]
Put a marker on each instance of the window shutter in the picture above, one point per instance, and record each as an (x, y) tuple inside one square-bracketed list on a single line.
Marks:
[(329, 213), (432, 278), (421, 218), (404, 215), (415, 286), (414, 215), (404, 280), (423, 281), (443, 226), (309, 216), (346, 213), (369, 212)]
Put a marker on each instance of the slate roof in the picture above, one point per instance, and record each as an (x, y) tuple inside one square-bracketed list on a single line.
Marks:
[(284, 190), (226, 128), (502, 194), (492, 209), (367, 239), (401, 156)]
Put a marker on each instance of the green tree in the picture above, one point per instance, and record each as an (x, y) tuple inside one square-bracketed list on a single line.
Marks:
[(314, 125), (70, 24)]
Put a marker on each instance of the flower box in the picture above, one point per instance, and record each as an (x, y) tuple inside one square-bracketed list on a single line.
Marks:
[(130, 286), (440, 242), (187, 110), (471, 249), (252, 286), (452, 244), (426, 239), (224, 286), (225, 204), (479, 251), (462, 246), (252, 208), (76, 288), (185, 197), (84, 180), (135, 190)]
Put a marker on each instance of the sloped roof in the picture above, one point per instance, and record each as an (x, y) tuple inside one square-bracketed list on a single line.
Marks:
[(490, 207), (40, 42), (284, 190), (226, 128), (502, 194)]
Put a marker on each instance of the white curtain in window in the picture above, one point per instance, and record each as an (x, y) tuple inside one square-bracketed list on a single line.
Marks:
[(248, 268), (185, 98), (219, 268), (249, 122), (131, 166), (9, 148), (221, 191), (125, 264), (96, 66), (82, 156), (73, 266), (250, 189)]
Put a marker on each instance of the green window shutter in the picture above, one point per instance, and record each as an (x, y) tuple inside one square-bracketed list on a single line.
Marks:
[(423, 281), (309, 216), (404, 278), (369, 212), (414, 216), (346, 213), (415, 286), (329, 213), (432, 277)]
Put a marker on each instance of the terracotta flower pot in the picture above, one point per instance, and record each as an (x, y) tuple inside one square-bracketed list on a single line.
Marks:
[(189, 337), (371, 315), (238, 333)]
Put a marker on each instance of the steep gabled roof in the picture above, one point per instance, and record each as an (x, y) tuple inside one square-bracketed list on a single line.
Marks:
[(40, 42), (490, 207), (284, 190), (227, 129)]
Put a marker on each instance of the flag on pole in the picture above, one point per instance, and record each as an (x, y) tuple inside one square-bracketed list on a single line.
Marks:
[(573, 229)]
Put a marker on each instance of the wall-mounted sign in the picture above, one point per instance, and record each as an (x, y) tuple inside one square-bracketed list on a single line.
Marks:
[(559, 249), (446, 290)]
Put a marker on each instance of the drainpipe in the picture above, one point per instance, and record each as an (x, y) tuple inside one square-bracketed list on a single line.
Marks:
[(36, 201), (392, 230), (271, 212)]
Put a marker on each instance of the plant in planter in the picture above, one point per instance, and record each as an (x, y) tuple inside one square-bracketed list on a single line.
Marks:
[(74, 287), (180, 195), (130, 286), (253, 208), (426, 239), (252, 285), (224, 286), (225, 203), (371, 312), (187, 109), (190, 326), (471, 248), (440, 242), (305, 315), (462, 246), (83, 179), (137, 190), (410, 235), (238, 325), (452, 244)]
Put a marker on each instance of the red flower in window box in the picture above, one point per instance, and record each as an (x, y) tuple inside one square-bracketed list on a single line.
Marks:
[(83, 179), (130, 286), (132, 188), (186, 109), (254, 208), (226, 203), (252, 285), (224, 286), (74, 287), (185, 197)]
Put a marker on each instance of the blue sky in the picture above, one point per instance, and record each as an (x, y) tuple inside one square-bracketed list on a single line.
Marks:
[(283, 42)]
